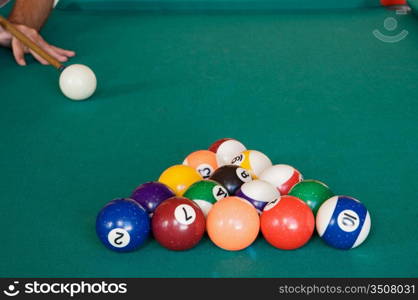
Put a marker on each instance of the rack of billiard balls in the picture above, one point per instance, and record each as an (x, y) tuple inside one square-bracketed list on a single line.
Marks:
[(232, 194)]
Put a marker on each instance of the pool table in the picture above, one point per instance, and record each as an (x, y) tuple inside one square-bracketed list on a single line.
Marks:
[(313, 88)]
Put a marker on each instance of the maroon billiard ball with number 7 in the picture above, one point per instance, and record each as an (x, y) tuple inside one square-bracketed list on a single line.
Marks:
[(178, 224)]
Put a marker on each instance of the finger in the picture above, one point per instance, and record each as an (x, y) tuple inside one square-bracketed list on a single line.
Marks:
[(50, 50), (38, 58), (55, 54), (64, 52), (45, 46), (18, 52)]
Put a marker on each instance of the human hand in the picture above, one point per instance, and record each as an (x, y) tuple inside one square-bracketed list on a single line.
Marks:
[(19, 49)]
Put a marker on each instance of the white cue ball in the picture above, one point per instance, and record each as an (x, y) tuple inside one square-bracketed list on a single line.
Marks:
[(78, 82)]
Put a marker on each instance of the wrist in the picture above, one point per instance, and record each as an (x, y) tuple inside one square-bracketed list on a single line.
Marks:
[(16, 22)]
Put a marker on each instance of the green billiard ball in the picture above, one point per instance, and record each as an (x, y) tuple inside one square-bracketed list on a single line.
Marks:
[(205, 193), (313, 192)]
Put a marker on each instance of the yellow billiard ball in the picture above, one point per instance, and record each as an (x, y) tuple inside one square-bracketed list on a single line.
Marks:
[(179, 178), (255, 162)]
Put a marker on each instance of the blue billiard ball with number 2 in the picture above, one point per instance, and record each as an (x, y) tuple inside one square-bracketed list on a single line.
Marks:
[(123, 225)]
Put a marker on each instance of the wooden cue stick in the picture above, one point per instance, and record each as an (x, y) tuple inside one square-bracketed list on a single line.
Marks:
[(30, 44)]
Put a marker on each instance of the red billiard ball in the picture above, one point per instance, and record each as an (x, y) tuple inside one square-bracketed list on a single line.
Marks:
[(283, 177), (178, 224), (287, 223)]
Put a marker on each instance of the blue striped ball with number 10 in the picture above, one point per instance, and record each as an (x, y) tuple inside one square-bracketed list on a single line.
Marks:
[(343, 222)]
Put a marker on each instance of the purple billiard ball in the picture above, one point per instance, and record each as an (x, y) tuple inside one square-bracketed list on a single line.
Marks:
[(149, 195), (258, 193)]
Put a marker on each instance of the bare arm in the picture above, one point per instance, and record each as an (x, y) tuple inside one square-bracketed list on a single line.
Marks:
[(32, 13)]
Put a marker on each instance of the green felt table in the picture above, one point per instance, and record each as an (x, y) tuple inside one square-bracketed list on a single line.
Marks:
[(315, 90)]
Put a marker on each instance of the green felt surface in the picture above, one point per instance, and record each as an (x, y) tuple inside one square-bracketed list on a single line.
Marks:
[(317, 91), (414, 5), (180, 5)]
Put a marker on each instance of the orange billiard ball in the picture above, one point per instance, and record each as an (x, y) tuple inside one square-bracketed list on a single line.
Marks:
[(233, 223), (204, 161)]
